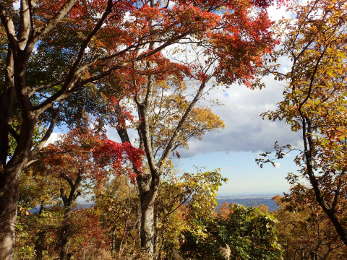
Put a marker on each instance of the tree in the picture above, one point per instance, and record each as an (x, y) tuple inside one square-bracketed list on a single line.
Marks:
[(47, 228), (182, 201), (247, 233), (164, 131), (180, 198), (303, 228), (80, 161), (117, 202), (28, 99), (37, 222), (52, 50), (154, 78), (314, 103), (75, 165)]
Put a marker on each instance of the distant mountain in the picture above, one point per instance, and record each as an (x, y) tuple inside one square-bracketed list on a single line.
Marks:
[(78, 206), (249, 202)]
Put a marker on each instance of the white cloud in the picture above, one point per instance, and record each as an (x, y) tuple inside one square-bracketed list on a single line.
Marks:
[(244, 129)]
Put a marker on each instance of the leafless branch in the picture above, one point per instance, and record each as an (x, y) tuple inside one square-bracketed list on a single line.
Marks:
[(181, 122)]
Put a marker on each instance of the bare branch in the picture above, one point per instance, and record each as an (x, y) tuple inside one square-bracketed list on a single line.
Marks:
[(14, 133), (8, 24), (25, 24), (180, 123), (46, 86), (86, 41), (123, 134), (68, 179), (145, 136), (49, 131)]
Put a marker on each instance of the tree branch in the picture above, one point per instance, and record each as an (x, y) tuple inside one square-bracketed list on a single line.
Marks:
[(54, 21), (181, 122), (145, 136), (13, 132), (25, 24), (8, 24), (74, 73), (49, 131)]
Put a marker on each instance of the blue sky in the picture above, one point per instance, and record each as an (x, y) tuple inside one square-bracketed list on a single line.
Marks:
[(244, 175)]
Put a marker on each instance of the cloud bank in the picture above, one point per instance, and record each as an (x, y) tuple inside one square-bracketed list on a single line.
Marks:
[(244, 129)]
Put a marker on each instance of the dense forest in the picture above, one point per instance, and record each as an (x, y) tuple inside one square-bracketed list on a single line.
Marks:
[(145, 68)]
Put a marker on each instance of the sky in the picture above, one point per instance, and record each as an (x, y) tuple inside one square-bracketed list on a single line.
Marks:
[(233, 149)]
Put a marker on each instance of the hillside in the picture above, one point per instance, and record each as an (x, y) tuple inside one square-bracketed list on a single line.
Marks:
[(250, 202)]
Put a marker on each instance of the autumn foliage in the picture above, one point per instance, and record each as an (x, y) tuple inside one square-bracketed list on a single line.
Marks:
[(84, 152), (143, 70)]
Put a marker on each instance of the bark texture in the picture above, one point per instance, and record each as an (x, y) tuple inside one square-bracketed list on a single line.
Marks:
[(65, 230), (148, 195), (8, 212)]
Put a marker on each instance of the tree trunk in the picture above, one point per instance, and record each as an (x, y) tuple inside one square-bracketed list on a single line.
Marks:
[(340, 230), (9, 173), (64, 236), (330, 212), (8, 212), (40, 244), (9, 190), (8, 176), (309, 147), (147, 229), (148, 190), (65, 230)]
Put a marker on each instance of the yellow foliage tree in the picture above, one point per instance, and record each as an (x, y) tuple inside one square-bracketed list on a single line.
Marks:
[(314, 103)]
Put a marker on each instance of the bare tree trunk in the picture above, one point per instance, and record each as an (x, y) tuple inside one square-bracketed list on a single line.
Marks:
[(9, 174), (64, 236), (8, 212), (330, 211), (148, 188), (65, 230), (40, 244), (148, 185)]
